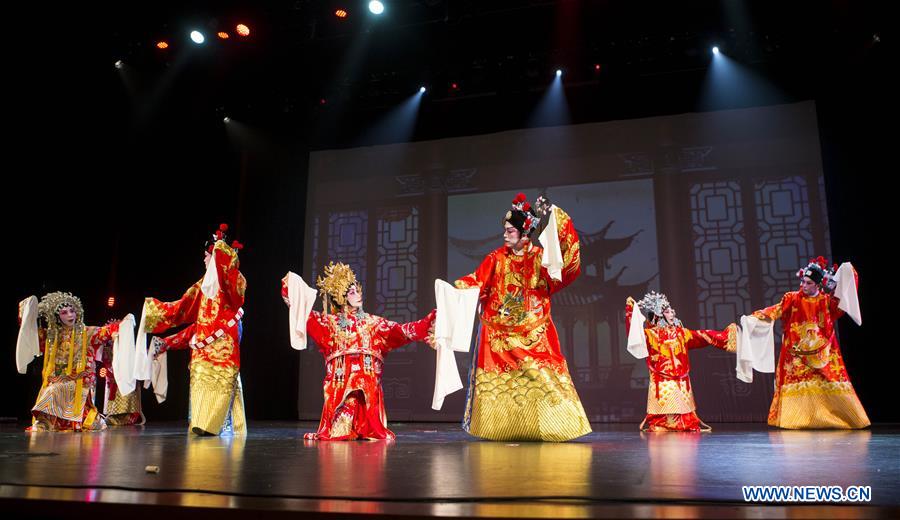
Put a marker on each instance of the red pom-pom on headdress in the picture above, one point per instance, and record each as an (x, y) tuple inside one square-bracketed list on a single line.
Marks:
[(521, 215), (237, 245), (218, 234), (529, 223)]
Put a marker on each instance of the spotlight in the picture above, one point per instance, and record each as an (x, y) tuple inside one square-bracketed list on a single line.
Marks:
[(197, 37), (322, 101), (222, 35), (596, 67), (226, 119), (422, 90), (111, 301), (340, 13), (162, 44), (715, 50), (454, 86), (376, 7), (558, 72), (242, 30), (119, 64)]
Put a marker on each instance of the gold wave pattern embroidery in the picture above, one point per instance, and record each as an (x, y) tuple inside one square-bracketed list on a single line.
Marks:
[(533, 402), (818, 404)]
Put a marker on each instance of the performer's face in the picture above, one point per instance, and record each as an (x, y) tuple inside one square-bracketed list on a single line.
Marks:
[(669, 314), (808, 286), (67, 316), (511, 236), (206, 258), (354, 297)]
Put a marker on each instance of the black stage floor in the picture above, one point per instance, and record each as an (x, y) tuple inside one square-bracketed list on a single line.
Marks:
[(438, 470)]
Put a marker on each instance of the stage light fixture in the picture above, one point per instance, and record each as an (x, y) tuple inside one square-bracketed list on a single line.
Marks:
[(422, 90), (242, 30), (197, 37), (340, 13), (376, 7), (715, 50), (222, 35), (558, 72), (162, 44), (119, 64)]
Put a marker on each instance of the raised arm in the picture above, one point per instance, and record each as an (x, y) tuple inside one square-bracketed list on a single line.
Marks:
[(571, 251), (629, 310), (231, 281)]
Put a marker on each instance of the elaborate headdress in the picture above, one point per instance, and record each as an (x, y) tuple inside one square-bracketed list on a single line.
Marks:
[(51, 304), (818, 271), (335, 284), (522, 216), (48, 311), (220, 235), (653, 304)]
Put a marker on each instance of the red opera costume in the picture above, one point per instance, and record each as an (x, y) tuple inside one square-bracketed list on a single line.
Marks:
[(354, 345), (670, 399), (520, 387), (812, 387), (212, 313)]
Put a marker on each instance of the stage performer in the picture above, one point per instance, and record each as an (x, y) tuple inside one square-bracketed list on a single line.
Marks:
[(655, 333), (55, 328), (519, 383), (120, 409), (354, 344), (812, 388), (212, 309)]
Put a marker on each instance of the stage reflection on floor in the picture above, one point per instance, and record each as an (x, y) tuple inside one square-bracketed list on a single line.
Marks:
[(440, 465)]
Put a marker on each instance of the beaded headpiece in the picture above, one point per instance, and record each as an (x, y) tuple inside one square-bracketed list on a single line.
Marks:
[(654, 303), (51, 304), (337, 280)]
